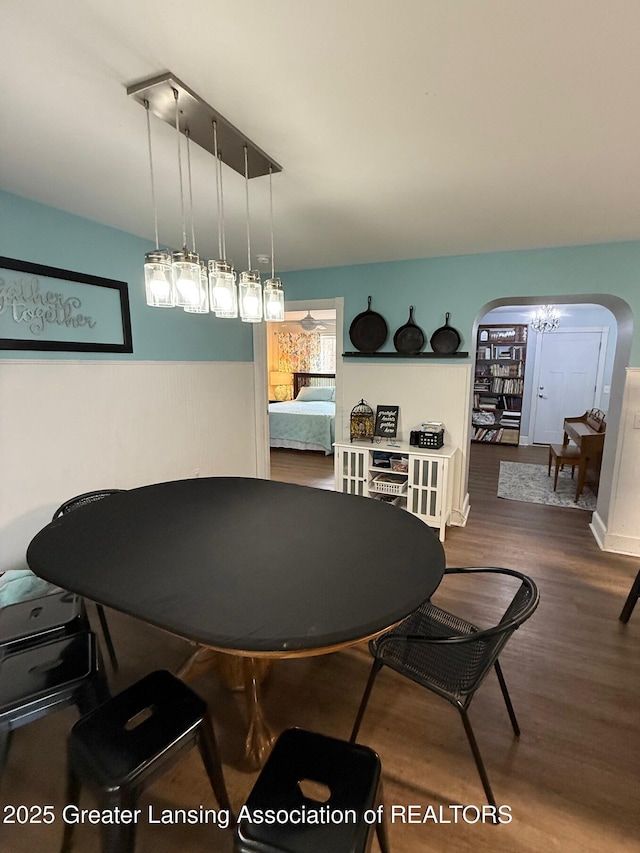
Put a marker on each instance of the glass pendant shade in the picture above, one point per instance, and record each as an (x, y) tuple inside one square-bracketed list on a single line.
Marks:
[(158, 279), (223, 294), (203, 294), (273, 301), (186, 279), (250, 297)]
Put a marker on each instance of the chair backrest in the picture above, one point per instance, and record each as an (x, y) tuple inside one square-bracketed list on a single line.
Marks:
[(83, 500), (485, 645)]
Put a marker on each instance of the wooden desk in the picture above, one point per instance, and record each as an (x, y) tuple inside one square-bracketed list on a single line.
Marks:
[(587, 432), (249, 567)]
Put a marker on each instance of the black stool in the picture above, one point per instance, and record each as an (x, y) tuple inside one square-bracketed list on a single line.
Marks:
[(46, 672), (128, 742), (299, 760)]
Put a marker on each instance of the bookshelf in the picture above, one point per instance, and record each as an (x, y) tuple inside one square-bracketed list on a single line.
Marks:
[(498, 383)]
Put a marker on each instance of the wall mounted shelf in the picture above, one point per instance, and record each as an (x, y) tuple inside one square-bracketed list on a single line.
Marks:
[(404, 355)]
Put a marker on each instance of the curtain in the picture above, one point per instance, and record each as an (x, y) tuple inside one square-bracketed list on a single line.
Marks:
[(299, 352)]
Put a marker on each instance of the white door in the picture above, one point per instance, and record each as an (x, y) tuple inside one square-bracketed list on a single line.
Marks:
[(567, 381)]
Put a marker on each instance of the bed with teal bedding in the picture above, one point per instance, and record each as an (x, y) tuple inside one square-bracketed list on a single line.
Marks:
[(308, 422)]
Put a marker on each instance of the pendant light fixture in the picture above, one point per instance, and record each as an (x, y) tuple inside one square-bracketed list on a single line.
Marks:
[(273, 292), (180, 278), (223, 294), (158, 281), (185, 264), (250, 286)]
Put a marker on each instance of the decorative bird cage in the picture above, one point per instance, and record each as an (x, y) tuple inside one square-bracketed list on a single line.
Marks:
[(362, 422)]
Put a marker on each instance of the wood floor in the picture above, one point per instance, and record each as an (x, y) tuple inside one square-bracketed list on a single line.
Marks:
[(571, 781)]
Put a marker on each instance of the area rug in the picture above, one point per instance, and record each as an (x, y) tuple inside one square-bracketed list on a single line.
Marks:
[(520, 481)]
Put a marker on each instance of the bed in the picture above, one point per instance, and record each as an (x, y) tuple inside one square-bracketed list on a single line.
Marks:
[(308, 421)]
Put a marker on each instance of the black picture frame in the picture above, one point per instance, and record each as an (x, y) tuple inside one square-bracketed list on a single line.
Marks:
[(42, 344), (386, 425)]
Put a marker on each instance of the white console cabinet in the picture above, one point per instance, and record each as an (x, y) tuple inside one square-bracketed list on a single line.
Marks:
[(417, 479)]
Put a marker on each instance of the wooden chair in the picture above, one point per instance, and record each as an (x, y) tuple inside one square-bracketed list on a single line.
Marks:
[(561, 455)]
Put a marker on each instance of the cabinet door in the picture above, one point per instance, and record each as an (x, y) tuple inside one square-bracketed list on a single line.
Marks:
[(427, 485), (351, 470)]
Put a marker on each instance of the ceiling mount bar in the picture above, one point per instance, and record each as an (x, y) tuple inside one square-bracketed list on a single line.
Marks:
[(197, 119)]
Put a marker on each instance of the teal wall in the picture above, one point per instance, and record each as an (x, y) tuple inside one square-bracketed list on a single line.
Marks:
[(464, 284), (44, 235)]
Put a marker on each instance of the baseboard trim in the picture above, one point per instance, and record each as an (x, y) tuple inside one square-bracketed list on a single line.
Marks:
[(612, 542)]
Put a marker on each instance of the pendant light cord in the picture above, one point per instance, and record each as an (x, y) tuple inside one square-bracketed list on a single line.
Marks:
[(273, 263), (153, 182), (216, 154), (246, 185), (193, 233), (184, 227)]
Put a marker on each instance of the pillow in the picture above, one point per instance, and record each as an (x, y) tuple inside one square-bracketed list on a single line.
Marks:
[(316, 392)]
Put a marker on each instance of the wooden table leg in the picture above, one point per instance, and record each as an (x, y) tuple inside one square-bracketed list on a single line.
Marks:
[(199, 661), (238, 673), (260, 738)]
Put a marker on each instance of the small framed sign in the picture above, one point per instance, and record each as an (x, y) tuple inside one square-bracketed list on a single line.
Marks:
[(387, 421), (46, 308)]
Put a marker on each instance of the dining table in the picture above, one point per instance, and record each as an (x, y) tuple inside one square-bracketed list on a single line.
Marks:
[(247, 567)]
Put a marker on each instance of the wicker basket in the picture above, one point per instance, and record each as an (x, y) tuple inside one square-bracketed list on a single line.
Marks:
[(384, 483)]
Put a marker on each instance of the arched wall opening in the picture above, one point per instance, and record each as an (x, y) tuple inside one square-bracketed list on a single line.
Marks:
[(624, 322)]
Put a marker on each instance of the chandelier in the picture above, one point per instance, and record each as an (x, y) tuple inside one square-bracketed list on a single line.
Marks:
[(181, 279), (545, 319)]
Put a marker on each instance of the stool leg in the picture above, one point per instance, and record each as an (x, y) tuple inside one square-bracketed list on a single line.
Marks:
[(555, 477), (5, 741), (550, 460), (121, 837), (381, 826), (106, 633), (211, 759), (72, 799)]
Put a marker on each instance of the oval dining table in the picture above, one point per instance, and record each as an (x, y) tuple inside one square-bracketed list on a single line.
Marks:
[(248, 567)]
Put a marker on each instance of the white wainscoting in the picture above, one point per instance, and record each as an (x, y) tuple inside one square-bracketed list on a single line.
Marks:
[(68, 427), (620, 532), (425, 391)]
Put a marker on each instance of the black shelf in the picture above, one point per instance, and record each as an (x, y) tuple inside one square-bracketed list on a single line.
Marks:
[(404, 355)]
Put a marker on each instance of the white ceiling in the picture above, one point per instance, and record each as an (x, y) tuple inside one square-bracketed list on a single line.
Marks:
[(410, 129)]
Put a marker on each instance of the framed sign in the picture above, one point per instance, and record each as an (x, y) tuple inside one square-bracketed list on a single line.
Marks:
[(45, 308), (387, 421)]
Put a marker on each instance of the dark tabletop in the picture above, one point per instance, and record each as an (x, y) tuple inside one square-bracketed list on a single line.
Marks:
[(245, 564)]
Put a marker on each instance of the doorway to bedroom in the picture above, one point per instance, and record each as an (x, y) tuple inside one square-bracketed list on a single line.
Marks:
[(301, 385)]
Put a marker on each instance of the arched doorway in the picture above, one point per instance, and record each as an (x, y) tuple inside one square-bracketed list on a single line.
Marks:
[(620, 361)]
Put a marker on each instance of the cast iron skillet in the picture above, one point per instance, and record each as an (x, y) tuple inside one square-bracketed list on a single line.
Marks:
[(446, 339), (368, 331), (409, 339)]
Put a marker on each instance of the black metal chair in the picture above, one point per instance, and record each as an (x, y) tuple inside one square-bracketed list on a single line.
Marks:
[(450, 656), (69, 506), (308, 772), (630, 603), (46, 671), (122, 747)]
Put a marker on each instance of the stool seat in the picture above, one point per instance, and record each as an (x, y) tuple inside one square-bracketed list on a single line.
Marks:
[(349, 773), (121, 747)]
